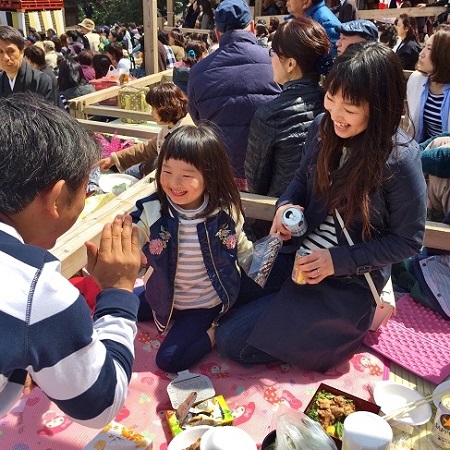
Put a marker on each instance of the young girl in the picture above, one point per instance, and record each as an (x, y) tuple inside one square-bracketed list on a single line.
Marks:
[(169, 109), (194, 245)]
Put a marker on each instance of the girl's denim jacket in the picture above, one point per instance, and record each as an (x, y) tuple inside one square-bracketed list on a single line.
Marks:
[(223, 244)]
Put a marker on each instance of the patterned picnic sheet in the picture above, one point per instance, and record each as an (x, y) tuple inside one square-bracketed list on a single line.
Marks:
[(255, 395)]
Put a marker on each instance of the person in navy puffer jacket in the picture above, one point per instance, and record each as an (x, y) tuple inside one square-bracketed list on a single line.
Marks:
[(229, 85)]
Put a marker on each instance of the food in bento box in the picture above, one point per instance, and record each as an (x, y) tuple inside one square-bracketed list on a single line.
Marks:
[(330, 411), (119, 188)]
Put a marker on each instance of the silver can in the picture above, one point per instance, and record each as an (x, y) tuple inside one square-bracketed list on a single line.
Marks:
[(441, 428), (294, 220)]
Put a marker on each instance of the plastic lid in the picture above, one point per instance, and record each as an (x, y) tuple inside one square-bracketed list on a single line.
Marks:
[(366, 430), (186, 383)]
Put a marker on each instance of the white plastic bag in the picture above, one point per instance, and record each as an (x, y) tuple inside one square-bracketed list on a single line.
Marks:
[(296, 431)]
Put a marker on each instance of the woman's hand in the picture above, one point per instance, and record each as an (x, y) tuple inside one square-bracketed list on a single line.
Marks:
[(277, 225), (316, 266), (105, 163), (29, 385)]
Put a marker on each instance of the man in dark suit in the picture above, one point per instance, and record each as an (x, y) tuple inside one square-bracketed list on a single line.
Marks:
[(17, 75), (346, 10)]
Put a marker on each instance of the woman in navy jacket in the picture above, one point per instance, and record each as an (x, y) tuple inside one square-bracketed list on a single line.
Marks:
[(358, 162)]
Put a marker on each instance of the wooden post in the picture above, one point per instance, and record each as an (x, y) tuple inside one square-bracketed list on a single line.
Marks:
[(170, 14), (258, 8), (150, 12)]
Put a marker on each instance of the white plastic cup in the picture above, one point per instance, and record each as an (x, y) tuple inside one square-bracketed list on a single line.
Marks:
[(366, 431)]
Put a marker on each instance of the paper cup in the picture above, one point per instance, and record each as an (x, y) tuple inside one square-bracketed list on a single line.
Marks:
[(366, 431)]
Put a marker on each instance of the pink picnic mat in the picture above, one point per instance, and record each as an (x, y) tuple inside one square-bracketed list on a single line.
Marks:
[(253, 394), (417, 339)]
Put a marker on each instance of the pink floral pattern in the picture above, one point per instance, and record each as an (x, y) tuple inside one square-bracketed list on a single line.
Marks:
[(227, 238), (156, 246)]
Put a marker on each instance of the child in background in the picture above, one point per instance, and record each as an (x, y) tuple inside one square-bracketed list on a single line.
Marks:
[(195, 51), (194, 245), (169, 109), (176, 42)]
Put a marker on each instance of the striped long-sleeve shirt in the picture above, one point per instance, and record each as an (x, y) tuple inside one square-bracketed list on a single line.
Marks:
[(82, 364)]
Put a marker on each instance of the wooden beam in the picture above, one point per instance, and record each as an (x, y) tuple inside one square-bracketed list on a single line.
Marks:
[(120, 129), (150, 13), (258, 9), (189, 30), (378, 14), (170, 13)]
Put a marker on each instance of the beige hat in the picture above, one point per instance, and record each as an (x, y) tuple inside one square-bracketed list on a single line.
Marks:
[(49, 45), (88, 24)]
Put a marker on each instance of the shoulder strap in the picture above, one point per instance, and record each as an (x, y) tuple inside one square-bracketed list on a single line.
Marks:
[(369, 280)]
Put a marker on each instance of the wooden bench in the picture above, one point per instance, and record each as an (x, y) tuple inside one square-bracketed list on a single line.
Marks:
[(70, 249)]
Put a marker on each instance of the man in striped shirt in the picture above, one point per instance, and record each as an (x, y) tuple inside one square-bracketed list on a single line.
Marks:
[(81, 363)]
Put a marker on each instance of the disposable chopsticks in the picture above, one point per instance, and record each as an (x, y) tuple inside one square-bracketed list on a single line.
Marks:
[(399, 412)]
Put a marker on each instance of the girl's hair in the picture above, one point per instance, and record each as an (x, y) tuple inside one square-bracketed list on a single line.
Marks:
[(177, 36), (388, 34), (304, 40), (194, 51), (85, 57), (100, 64), (213, 36), (440, 56), (115, 50), (116, 34), (170, 101), (207, 9), (202, 147), (410, 23), (70, 74), (58, 44), (365, 74), (261, 30)]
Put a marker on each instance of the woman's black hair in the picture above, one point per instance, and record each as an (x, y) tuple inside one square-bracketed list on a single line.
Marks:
[(365, 74), (70, 74)]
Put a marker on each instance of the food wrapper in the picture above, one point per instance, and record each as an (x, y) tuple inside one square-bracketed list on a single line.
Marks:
[(265, 251), (117, 436), (213, 411)]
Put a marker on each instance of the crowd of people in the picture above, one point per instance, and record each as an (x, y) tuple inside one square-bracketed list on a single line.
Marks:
[(318, 119)]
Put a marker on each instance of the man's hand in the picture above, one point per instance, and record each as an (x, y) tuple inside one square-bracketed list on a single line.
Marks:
[(116, 262)]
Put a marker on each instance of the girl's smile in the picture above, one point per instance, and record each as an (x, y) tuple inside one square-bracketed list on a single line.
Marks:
[(183, 183)]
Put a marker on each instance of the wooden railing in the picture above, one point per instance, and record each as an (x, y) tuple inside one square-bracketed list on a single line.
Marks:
[(70, 249), (378, 14), (87, 105)]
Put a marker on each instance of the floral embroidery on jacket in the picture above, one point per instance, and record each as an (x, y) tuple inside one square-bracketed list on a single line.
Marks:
[(156, 246), (228, 239)]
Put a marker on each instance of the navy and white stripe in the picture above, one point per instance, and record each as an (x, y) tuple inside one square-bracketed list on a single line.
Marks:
[(83, 365), (324, 236), (432, 115)]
